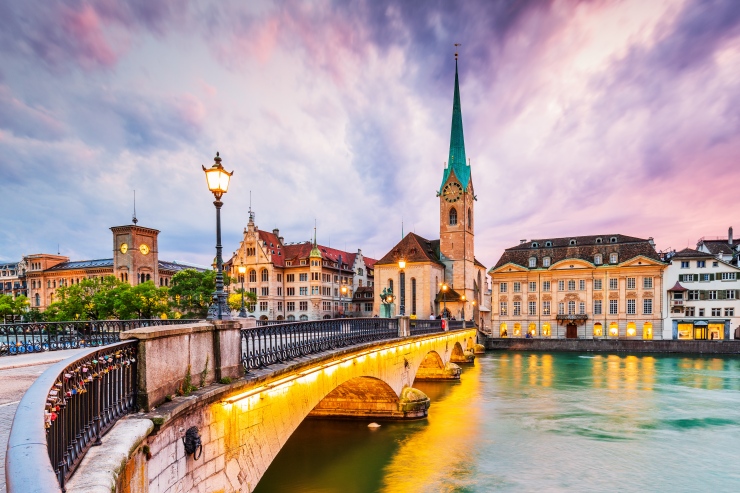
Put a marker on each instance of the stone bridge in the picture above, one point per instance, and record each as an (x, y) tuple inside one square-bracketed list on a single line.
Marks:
[(244, 424)]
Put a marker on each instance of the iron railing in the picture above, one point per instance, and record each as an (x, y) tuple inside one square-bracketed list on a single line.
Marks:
[(457, 324), (19, 338), (418, 327), (65, 412), (277, 343)]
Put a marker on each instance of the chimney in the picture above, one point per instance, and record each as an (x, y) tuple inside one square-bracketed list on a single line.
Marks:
[(276, 232), (729, 236), (280, 238), (521, 242), (651, 241)]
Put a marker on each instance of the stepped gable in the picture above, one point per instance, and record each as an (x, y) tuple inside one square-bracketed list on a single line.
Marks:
[(413, 248), (585, 248)]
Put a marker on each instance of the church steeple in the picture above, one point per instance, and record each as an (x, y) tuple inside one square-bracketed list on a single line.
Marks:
[(457, 161)]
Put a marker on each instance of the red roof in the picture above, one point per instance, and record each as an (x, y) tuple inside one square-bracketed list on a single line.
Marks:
[(678, 287), (303, 250)]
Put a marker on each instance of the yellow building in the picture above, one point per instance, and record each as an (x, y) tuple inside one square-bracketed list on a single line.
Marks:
[(579, 287)]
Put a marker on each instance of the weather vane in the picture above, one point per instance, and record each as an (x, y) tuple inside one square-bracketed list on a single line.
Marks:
[(456, 45)]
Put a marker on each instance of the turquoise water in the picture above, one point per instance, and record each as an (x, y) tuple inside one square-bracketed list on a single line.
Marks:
[(539, 422)]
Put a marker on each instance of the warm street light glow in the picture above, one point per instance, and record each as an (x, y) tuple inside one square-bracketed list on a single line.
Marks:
[(444, 287), (344, 289), (242, 269), (217, 178), (473, 302), (402, 264), (462, 297)]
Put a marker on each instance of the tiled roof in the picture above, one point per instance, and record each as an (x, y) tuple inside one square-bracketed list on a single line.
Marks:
[(177, 266), (677, 287), (299, 251), (360, 294), (585, 248), (413, 248), (690, 253), (718, 246), (83, 264)]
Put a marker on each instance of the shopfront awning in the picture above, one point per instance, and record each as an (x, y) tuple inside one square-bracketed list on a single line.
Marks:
[(701, 323)]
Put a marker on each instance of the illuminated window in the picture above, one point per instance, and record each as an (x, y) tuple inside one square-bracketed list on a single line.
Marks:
[(517, 308), (613, 329), (716, 331), (598, 330), (647, 330), (631, 329), (546, 330), (685, 331), (532, 330), (517, 330), (545, 307), (503, 310), (502, 330)]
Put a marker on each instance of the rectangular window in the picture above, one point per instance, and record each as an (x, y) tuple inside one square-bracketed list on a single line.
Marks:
[(571, 285), (304, 306), (265, 291), (291, 306), (290, 278), (517, 308), (712, 295), (701, 312), (730, 294), (503, 310), (729, 312), (561, 285), (630, 283), (571, 308), (303, 277), (597, 284), (582, 308), (315, 276), (613, 307), (314, 290), (705, 277), (253, 290), (279, 291), (280, 306), (304, 292), (546, 262), (613, 284), (533, 262), (517, 287), (263, 306), (729, 276), (532, 287), (582, 285), (290, 291), (545, 285), (701, 263), (279, 278), (533, 308), (597, 307), (684, 265), (716, 312), (690, 311), (561, 308), (647, 306), (647, 283), (630, 307), (502, 287), (693, 295), (545, 307)]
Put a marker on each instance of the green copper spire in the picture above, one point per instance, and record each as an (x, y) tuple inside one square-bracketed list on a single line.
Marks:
[(315, 253), (457, 160)]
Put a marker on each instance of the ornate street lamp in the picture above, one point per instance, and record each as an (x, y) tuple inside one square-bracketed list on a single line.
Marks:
[(444, 298), (342, 292), (242, 270), (463, 307), (402, 281), (217, 179)]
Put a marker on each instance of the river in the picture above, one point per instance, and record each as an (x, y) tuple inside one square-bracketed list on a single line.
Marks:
[(538, 422)]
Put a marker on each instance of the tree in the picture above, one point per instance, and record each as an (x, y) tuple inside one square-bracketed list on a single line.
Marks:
[(10, 306), (90, 299), (235, 300), (191, 292), (144, 300)]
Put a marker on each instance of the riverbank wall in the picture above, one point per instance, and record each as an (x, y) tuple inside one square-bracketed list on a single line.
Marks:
[(731, 347)]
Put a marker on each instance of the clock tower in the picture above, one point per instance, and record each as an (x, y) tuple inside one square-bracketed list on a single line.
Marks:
[(135, 254), (457, 211)]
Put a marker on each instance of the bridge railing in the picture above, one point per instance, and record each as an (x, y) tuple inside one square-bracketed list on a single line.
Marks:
[(65, 412), (419, 327), (20, 338), (266, 345)]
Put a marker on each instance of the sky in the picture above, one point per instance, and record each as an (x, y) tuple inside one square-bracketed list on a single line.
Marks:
[(580, 118)]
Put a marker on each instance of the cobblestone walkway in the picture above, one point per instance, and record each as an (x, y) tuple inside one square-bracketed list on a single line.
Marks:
[(13, 383)]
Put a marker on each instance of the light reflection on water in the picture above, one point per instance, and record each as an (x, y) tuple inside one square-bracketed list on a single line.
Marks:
[(539, 422)]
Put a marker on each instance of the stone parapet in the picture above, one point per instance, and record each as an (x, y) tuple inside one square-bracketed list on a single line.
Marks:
[(615, 346)]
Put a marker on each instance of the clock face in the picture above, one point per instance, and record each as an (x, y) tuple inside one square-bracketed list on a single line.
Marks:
[(124, 247), (452, 192), (143, 249)]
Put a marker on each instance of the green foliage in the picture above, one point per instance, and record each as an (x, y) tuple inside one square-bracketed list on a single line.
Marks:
[(187, 385), (204, 374), (225, 380), (191, 292), (12, 306), (235, 300)]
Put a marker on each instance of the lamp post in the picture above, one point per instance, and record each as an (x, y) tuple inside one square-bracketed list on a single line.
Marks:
[(342, 292), (217, 179), (242, 271), (444, 298), (463, 307), (402, 282)]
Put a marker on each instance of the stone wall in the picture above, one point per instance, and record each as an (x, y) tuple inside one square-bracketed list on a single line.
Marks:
[(615, 346)]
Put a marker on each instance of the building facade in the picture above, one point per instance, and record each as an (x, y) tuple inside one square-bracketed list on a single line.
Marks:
[(13, 279), (607, 286), (301, 281), (440, 277), (703, 296)]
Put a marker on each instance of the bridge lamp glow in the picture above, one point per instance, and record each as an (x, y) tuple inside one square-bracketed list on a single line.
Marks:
[(217, 178), (402, 264)]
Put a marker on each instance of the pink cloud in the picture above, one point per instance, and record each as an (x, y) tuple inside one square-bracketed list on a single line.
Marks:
[(86, 35)]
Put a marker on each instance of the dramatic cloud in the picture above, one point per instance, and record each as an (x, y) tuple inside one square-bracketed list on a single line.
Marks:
[(580, 118)]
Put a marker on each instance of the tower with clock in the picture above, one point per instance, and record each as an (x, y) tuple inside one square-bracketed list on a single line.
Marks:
[(135, 254)]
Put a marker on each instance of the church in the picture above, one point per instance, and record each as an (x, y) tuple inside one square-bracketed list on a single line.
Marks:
[(422, 278)]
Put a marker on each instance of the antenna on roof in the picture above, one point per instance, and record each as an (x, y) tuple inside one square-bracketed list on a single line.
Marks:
[(251, 214), (58, 251), (456, 45), (402, 227), (134, 220)]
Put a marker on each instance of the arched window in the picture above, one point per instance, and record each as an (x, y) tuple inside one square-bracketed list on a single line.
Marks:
[(532, 331), (290, 317), (517, 329), (631, 329), (252, 275), (613, 329), (453, 216), (598, 330), (502, 330), (470, 218), (647, 330), (546, 330), (265, 275), (38, 299), (148, 277), (304, 318), (390, 284)]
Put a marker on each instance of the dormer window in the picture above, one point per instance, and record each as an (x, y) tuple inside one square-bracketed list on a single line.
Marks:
[(533, 262), (597, 259), (535, 245), (572, 242), (613, 258), (548, 243), (546, 262), (599, 241), (613, 239)]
